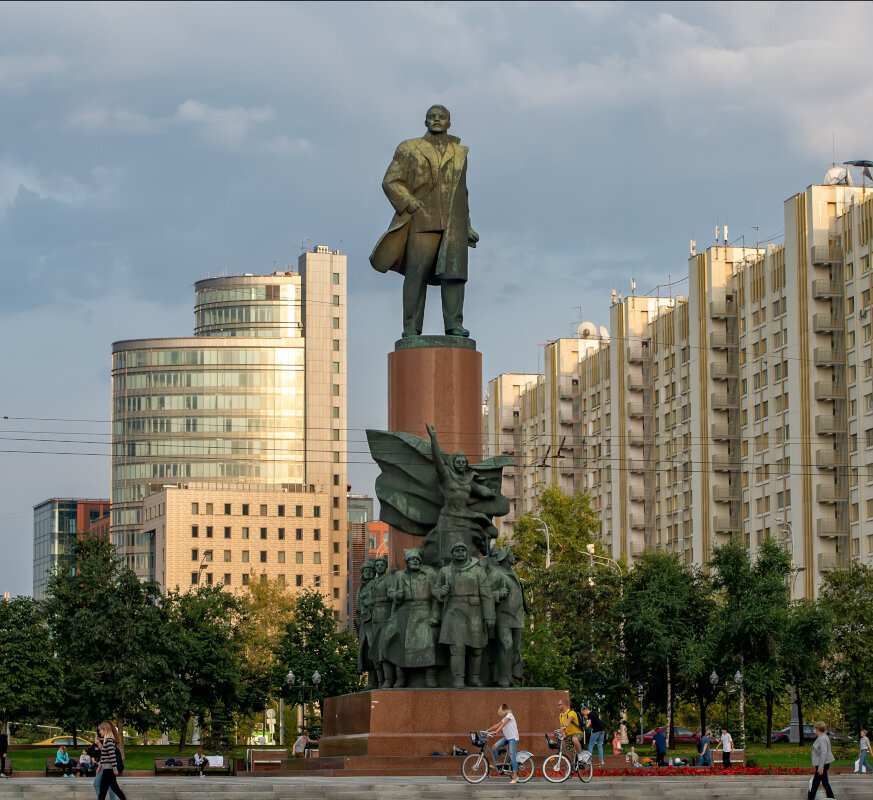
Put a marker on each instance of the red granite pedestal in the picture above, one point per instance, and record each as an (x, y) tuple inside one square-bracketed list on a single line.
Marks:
[(435, 380), (395, 731)]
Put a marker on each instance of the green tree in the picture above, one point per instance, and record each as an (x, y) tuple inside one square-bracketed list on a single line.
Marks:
[(804, 651), (30, 672), (571, 523), (658, 604), (313, 641), (753, 615), (847, 595), (109, 630)]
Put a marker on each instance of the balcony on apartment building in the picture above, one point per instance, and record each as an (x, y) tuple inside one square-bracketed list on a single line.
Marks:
[(636, 438), (830, 459), (637, 352), (829, 426), (722, 431), (636, 466), (639, 521), (636, 410), (722, 401), (829, 390), (722, 341), (508, 420), (829, 494), (826, 323), (567, 387), (824, 255), (827, 562), (725, 494), (722, 309), (724, 462), (823, 289), (723, 524), (828, 356), (637, 493), (831, 528), (723, 371), (635, 383)]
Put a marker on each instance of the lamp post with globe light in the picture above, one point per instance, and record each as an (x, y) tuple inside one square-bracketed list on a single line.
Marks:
[(291, 682), (738, 682)]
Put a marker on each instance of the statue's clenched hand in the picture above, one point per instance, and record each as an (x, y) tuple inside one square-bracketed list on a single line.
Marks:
[(415, 205)]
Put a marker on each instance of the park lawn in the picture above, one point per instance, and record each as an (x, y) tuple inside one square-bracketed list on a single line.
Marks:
[(779, 755), (136, 757)]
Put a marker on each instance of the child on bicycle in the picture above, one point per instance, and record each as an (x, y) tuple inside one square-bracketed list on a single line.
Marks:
[(508, 727)]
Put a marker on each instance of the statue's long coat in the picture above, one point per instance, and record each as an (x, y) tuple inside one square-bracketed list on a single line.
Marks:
[(440, 183)]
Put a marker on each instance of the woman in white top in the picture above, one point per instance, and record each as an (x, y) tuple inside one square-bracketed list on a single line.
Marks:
[(864, 742), (508, 727)]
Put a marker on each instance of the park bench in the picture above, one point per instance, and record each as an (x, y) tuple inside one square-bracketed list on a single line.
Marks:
[(218, 765), (51, 769), (265, 760)]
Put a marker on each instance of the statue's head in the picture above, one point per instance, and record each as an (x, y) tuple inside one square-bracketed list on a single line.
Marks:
[(503, 555), (437, 119), (459, 552), (412, 557), (368, 570), (381, 565), (459, 462)]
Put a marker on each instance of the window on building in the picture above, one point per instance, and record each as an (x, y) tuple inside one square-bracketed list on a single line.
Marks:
[(227, 579), (245, 579), (335, 569), (245, 556), (336, 345), (298, 511), (263, 509), (227, 509), (336, 524), (227, 555), (316, 511), (335, 277), (336, 547), (263, 533), (227, 532), (280, 511), (207, 555), (195, 578), (335, 390), (335, 323), (208, 531), (298, 557), (209, 509), (195, 554), (280, 579), (195, 531), (195, 508), (209, 579), (298, 534), (244, 533), (316, 557), (316, 535), (280, 534), (263, 556), (336, 594), (298, 580), (280, 556)]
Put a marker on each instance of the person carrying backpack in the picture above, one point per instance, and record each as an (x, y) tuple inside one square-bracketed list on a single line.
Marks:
[(111, 763)]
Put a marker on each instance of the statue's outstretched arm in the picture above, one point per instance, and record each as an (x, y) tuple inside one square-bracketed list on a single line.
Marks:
[(435, 455)]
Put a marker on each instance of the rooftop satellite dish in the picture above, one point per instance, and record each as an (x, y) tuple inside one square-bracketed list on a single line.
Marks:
[(586, 330), (838, 176)]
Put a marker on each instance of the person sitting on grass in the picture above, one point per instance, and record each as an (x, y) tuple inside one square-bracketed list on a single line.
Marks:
[(633, 758)]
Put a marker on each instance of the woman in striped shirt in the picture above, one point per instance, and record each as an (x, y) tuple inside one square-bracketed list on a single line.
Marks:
[(109, 762)]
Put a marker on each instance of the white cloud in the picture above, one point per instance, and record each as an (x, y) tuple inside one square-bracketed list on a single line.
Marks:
[(117, 120), (61, 188), (228, 126)]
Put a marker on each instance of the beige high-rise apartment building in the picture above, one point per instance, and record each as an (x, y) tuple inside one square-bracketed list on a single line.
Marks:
[(744, 409), (254, 402)]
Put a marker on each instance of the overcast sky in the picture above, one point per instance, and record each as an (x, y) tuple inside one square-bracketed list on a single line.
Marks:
[(146, 146)]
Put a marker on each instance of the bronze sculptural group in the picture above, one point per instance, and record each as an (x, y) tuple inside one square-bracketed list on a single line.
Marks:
[(448, 606)]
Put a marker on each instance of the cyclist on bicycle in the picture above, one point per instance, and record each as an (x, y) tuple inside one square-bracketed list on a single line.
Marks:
[(570, 726), (508, 727)]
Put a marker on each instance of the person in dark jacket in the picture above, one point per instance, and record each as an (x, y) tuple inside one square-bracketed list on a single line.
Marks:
[(659, 742), (4, 746), (821, 761)]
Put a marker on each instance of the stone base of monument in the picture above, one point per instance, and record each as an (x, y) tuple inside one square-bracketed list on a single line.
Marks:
[(397, 731)]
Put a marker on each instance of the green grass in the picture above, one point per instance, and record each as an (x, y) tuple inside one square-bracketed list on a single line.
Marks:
[(779, 755), (136, 757)]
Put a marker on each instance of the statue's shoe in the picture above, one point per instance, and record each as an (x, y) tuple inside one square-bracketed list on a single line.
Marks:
[(459, 331)]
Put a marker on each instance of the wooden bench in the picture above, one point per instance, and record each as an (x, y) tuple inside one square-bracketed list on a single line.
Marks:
[(265, 760), (188, 768), (52, 769)]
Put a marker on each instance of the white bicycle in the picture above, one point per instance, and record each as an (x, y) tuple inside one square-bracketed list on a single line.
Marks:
[(558, 768), (476, 766)]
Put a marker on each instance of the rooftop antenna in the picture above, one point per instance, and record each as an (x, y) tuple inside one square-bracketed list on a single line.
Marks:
[(302, 244), (633, 286), (692, 247)]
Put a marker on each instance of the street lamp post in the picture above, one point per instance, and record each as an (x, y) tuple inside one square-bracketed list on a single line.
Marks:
[(290, 680), (738, 680), (548, 541)]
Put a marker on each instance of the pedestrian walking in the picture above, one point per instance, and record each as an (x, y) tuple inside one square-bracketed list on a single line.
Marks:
[(109, 761), (821, 760), (593, 721), (4, 747), (705, 749), (727, 745), (659, 742), (865, 751), (96, 753)]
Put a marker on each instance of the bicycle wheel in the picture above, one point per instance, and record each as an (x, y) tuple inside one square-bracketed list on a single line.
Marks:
[(557, 768), (475, 768), (585, 769), (525, 761)]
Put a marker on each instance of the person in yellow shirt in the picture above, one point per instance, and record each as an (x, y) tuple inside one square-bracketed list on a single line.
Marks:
[(570, 726)]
